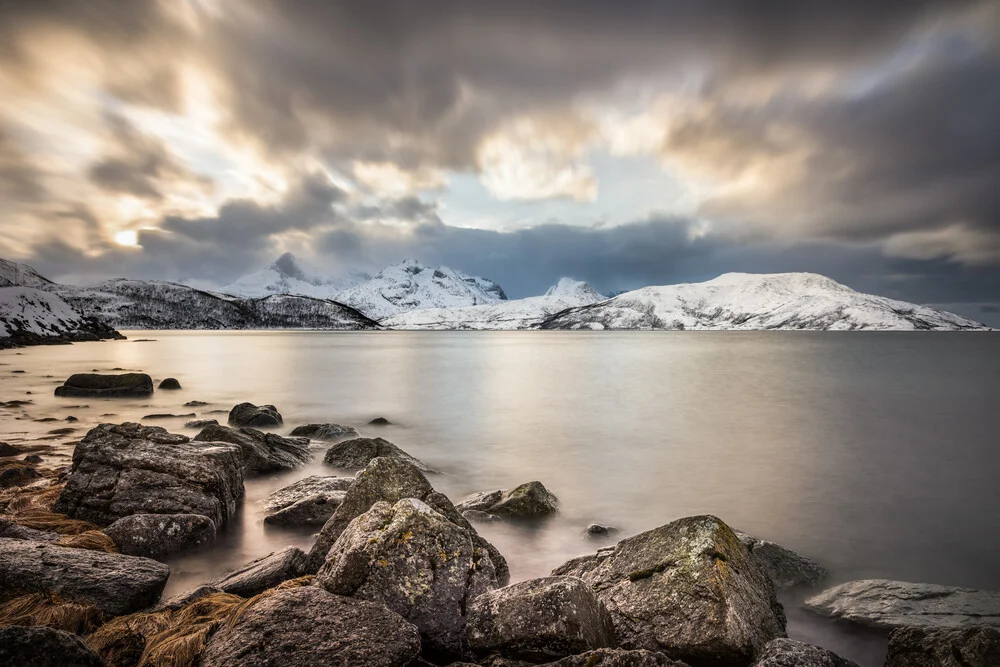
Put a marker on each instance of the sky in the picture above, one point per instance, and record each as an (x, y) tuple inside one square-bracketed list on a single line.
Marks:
[(624, 143)]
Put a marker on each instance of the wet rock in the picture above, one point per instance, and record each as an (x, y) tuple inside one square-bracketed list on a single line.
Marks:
[(263, 573), (195, 404), (688, 589), (953, 647), (527, 501), (307, 626), (158, 535), (170, 384), (201, 423), (380, 421), (22, 646), (390, 480), (115, 583), (785, 567), (124, 469), (307, 502), (125, 385), (16, 473), (165, 415), (480, 517), (324, 431), (248, 414), (359, 452), (262, 452), (539, 620), (881, 603), (613, 657), (33, 458), (71, 419), (9, 528), (62, 431), (8, 449), (784, 652), (417, 563), (599, 530)]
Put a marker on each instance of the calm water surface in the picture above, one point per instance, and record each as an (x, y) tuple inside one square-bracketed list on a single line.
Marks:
[(875, 453)]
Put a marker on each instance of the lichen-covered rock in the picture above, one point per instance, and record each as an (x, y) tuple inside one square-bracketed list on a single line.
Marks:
[(951, 647), (783, 652), (324, 431), (613, 657), (262, 573), (35, 646), (114, 583), (539, 620), (170, 384), (124, 469), (527, 501), (417, 563), (159, 535), (262, 452), (688, 589), (390, 480), (786, 568), (359, 452), (248, 414), (92, 385)]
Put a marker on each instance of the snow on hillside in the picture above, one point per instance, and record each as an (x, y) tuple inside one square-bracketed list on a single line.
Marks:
[(290, 275), (14, 274), (574, 288), (410, 285), (757, 301), (30, 316)]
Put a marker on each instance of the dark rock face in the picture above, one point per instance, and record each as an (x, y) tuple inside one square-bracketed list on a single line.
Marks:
[(262, 452), (263, 573), (953, 647), (10, 529), (248, 414), (114, 583), (22, 646), (539, 620), (391, 480), (359, 452), (170, 384), (786, 568), (527, 501), (126, 385), (307, 626), (417, 563), (790, 653), (124, 469), (324, 431), (158, 535), (8, 449), (688, 589), (201, 423), (613, 657)]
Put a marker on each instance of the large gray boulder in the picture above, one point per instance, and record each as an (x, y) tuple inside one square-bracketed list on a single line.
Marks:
[(262, 573), (785, 652), (248, 414), (688, 589), (951, 647), (114, 583), (390, 480), (124, 469), (262, 452), (93, 385), (324, 431), (786, 568), (303, 627), (159, 535), (539, 620), (882, 603), (417, 563), (22, 646), (530, 500), (307, 502), (614, 657), (359, 452)]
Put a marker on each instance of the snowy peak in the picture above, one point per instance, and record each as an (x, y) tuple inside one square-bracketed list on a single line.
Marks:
[(290, 275), (571, 287)]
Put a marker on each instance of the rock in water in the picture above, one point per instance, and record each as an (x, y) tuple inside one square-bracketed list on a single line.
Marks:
[(881, 603), (201, 423), (169, 384), (380, 421), (158, 535), (688, 589), (954, 647), (539, 620), (359, 452), (307, 502), (324, 431), (307, 626), (22, 646), (8, 449), (786, 568), (527, 501), (417, 563), (262, 452), (124, 469), (790, 653), (248, 414), (127, 385), (266, 572), (114, 583), (613, 657)]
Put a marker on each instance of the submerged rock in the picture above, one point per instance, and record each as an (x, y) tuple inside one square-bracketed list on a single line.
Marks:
[(262, 452), (952, 647), (359, 452), (785, 652), (380, 421), (688, 589), (527, 501), (599, 530), (169, 384), (7, 449), (201, 423), (195, 404), (158, 535), (786, 568), (22, 646), (324, 431), (265, 572), (126, 385), (166, 415), (307, 502), (248, 414)]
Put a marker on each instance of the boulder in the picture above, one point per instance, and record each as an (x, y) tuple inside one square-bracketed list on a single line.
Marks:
[(324, 431), (688, 589), (786, 568), (114, 583), (417, 563), (32, 458), (248, 414), (600, 530), (169, 384), (613, 657), (35, 646), (527, 501), (949, 647), (159, 535), (7, 449), (201, 423), (16, 531), (262, 452), (195, 404), (539, 620), (265, 572), (301, 627), (380, 421), (783, 652), (390, 480), (307, 502), (16, 473), (359, 452), (126, 385), (125, 469), (881, 603)]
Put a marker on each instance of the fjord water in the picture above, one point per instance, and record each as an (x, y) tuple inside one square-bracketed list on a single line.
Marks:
[(875, 453)]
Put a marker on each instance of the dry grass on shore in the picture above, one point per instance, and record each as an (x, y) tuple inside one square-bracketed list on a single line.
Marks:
[(94, 540), (51, 611)]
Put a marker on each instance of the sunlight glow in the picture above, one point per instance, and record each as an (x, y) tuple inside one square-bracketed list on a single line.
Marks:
[(127, 237)]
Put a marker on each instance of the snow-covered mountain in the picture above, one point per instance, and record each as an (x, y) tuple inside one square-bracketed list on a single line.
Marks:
[(15, 274), (501, 315), (290, 275), (758, 301), (29, 316), (409, 285)]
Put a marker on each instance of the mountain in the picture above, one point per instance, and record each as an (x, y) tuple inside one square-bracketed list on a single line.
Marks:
[(29, 316), (14, 274), (501, 315), (290, 275), (410, 285), (748, 301)]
